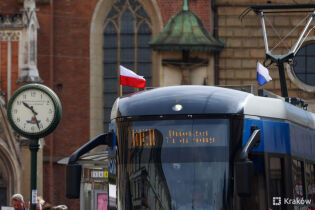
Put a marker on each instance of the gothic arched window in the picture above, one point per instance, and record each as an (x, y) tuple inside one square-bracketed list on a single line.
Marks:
[(127, 33)]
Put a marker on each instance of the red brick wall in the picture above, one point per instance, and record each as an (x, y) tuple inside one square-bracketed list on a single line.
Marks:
[(70, 70), (4, 66), (63, 64), (14, 65), (10, 7), (70, 56)]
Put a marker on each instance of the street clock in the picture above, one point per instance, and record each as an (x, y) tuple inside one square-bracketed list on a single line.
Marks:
[(34, 111)]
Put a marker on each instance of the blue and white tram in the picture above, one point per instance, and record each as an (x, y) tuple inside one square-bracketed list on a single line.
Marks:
[(202, 147)]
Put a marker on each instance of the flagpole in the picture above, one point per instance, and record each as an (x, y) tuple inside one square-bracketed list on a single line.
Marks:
[(119, 87), (120, 90)]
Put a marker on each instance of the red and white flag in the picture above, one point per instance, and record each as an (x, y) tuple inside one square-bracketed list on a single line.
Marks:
[(131, 79)]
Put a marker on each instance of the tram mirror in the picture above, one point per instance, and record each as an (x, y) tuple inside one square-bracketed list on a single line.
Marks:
[(252, 142), (73, 179), (244, 171), (257, 136)]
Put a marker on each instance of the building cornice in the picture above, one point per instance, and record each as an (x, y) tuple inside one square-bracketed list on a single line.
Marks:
[(37, 1), (10, 35), (11, 21)]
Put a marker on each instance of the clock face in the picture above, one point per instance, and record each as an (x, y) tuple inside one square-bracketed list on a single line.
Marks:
[(33, 111)]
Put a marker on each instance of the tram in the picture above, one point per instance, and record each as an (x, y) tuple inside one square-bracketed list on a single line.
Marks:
[(204, 147)]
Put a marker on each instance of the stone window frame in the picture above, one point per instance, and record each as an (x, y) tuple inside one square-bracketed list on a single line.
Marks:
[(290, 71), (101, 10), (116, 30)]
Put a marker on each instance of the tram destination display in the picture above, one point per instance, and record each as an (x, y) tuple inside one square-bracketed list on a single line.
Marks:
[(146, 137)]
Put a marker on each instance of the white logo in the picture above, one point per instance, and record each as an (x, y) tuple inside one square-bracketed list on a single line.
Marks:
[(297, 201), (276, 201)]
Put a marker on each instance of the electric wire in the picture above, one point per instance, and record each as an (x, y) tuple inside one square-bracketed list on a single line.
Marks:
[(303, 40), (285, 37)]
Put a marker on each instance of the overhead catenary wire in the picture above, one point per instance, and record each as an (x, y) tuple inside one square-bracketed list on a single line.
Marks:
[(265, 9), (290, 32), (303, 40)]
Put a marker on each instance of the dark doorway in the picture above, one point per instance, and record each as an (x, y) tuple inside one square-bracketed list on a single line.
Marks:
[(3, 196)]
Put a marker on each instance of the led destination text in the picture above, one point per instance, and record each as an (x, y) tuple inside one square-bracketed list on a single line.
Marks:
[(148, 137)]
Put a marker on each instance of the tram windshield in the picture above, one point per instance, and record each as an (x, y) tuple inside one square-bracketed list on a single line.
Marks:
[(173, 164)]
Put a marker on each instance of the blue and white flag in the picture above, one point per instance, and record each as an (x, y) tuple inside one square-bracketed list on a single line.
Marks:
[(262, 74)]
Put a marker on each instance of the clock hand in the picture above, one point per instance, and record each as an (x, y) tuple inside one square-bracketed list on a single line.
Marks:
[(26, 105), (30, 107), (37, 122)]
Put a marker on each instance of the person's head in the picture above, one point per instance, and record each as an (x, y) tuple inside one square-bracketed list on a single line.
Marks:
[(40, 203), (17, 201)]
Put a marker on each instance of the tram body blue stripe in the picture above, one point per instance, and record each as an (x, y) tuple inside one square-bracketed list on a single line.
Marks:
[(282, 137), (274, 135)]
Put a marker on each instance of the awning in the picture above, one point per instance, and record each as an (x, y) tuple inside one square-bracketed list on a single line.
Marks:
[(89, 159)]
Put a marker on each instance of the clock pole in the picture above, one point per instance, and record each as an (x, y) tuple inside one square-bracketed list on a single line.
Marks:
[(34, 146), (34, 111)]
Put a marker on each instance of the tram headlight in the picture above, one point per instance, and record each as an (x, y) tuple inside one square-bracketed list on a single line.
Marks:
[(177, 107)]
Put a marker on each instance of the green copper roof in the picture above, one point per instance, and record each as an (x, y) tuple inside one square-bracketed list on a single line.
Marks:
[(185, 31)]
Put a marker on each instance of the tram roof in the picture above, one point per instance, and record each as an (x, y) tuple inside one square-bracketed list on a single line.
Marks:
[(192, 99)]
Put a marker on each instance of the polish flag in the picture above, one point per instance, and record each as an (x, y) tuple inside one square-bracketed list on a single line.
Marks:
[(131, 79)]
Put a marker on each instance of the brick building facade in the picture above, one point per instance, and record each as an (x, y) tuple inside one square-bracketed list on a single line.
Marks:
[(245, 45), (70, 59)]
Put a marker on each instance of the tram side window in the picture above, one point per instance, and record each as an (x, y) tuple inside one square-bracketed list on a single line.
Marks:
[(276, 179), (257, 200), (310, 181), (298, 188)]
